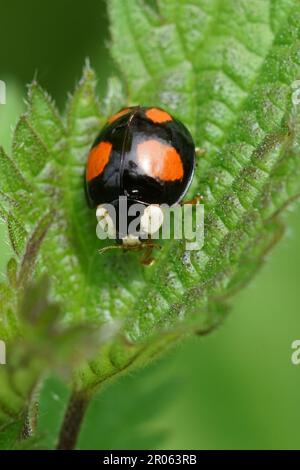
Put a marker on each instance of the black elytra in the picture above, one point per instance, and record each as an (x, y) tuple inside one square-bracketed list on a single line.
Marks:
[(142, 153)]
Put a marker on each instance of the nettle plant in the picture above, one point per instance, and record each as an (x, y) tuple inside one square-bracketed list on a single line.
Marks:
[(227, 70)]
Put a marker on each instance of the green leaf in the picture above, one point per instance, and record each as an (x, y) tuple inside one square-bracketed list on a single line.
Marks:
[(8, 435), (152, 393), (11, 178), (225, 69), (29, 151), (130, 428), (43, 345), (11, 111)]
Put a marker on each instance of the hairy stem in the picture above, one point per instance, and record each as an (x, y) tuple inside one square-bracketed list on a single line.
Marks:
[(72, 422), (31, 414)]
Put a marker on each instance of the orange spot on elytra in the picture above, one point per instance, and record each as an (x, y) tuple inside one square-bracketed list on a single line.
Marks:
[(117, 115), (158, 115), (159, 160), (98, 159)]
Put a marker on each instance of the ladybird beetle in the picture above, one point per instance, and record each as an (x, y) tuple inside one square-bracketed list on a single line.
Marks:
[(144, 154)]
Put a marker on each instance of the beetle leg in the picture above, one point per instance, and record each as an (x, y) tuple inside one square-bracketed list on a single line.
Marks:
[(146, 246), (196, 200), (147, 259), (110, 247)]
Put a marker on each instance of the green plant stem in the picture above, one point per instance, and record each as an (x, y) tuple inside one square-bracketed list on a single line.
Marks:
[(72, 422), (30, 421)]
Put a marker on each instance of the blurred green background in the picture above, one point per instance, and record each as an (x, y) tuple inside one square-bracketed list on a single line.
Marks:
[(235, 388)]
